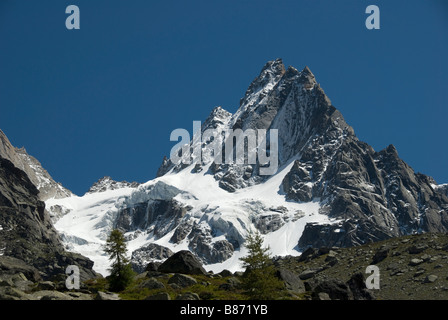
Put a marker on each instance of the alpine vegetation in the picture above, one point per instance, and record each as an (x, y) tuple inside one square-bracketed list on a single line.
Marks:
[(121, 273), (259, 279)]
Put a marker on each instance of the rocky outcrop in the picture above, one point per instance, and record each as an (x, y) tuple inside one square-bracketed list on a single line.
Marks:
[(182, 262), (161, 215), (26, 232), (47, 187), (443, 188), (10, 266), (200, 242), (107, 183), (149, 253), (409, 268), (374, 196)]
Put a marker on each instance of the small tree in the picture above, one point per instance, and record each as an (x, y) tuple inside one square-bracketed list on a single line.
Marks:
[(121, 273), (259, 279)]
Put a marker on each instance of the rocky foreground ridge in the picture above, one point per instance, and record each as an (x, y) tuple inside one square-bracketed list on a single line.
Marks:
[(28, 241), (411, 268)]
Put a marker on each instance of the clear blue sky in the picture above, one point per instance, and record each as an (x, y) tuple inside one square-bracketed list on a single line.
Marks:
[(104, 99)]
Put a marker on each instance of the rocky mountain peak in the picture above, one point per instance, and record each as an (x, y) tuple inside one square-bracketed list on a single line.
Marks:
[(289, 101), (107, 183), (391, 150), (350, 179), (7, 150), (271, 73), (307, 78), (273, 68), (218, 116)]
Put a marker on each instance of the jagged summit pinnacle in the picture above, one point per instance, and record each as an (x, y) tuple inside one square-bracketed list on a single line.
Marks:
[(307, 70), (217, 117), (107, 183), (391, 149), (271, 73), (275, 66), (307, 78)]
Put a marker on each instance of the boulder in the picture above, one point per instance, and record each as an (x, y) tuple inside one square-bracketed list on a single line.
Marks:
[(308, 274), (11, 293), (380, 255), (159, 296), (431, 278), (153, 266), (182, 280), (323, 296), (46, 285), (225, 287), (182, 262), (188, 296), (151, 283), (358, 288), (415, 262), (106, 296), (51, 295), (225, 273), (11, 266), (234, 282), (418, 248), (354, 289), (336, 290), (292, 281), (309, 254)]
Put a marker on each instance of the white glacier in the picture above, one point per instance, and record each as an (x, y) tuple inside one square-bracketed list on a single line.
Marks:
[(90, 218)]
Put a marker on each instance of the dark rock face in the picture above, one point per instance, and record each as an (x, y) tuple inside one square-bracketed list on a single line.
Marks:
[(201, 243), (182, 280), (376, 196), (443, 189), (292, 281), (164, 215), (353, 289), (182, 262), (182, 230), (336, 290), (26, 232), (13, 266)]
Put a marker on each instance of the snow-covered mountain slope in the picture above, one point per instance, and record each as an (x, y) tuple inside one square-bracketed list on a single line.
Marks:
[(218, 214), (330, 189), (86, 221)]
